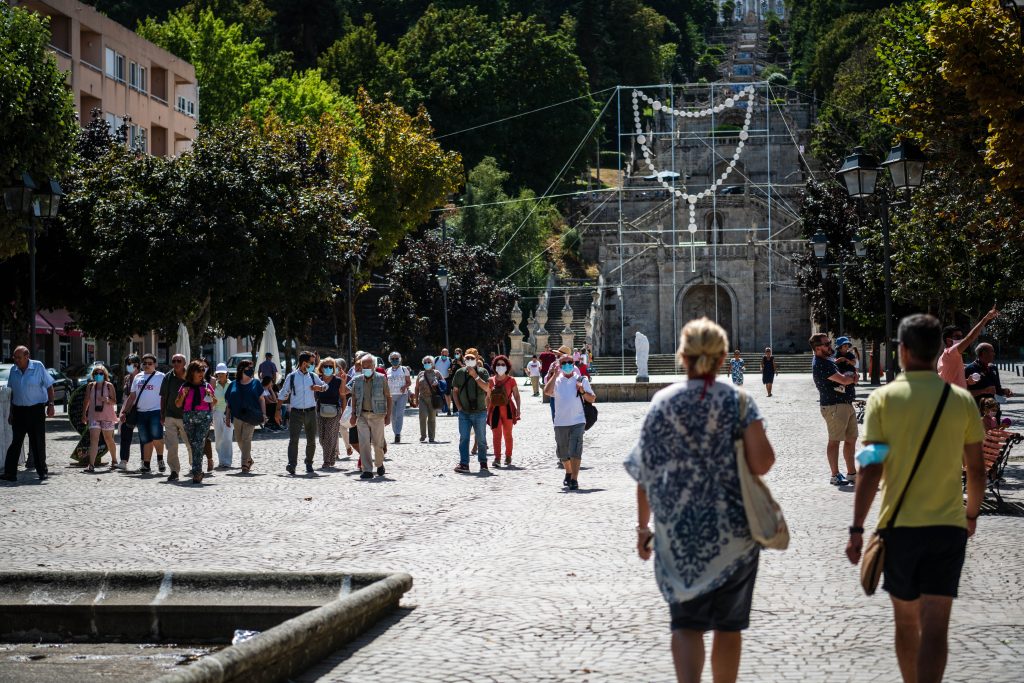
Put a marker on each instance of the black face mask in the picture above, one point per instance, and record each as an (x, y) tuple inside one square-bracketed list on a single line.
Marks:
[(249, 372)]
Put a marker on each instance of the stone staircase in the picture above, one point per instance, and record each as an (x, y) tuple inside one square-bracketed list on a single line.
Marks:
[(580, 298), (665, 364)]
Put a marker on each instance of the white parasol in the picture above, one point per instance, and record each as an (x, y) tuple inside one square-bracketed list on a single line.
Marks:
[(268, 344), (182, 346)]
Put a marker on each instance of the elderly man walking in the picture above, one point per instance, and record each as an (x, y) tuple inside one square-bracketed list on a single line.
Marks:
[(172, 417), (371, 413), (470, 389), (31, 403), (298, 389), (920, 431)]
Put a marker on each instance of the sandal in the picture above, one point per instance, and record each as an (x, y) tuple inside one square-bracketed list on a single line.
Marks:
[(89, 469), (247, 466)]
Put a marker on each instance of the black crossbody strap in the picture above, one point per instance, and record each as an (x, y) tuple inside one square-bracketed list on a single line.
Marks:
[(920, 453)]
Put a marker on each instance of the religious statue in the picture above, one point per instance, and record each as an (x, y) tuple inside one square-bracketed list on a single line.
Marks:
[(643, 351)]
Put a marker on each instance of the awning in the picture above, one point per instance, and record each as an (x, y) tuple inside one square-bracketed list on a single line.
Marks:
[(43, 325), (60, 322)]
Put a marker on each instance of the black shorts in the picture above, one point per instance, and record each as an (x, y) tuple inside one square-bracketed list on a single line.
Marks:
[(923, 560), (727, 608)]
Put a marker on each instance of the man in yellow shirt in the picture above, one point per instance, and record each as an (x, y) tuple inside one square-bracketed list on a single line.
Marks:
[(926, 542)]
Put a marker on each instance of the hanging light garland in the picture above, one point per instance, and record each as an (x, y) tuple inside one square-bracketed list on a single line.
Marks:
[(746, 94)]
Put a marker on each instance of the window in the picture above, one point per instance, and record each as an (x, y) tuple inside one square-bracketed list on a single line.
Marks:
[(137, 76), (115, 122), (113, 64), (138, 139), (187, 107)]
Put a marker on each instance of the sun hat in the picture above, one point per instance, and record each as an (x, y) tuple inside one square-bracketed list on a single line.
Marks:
[(841, 341), (565, 350)]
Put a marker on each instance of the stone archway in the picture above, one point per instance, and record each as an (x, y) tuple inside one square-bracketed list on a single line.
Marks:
[(699, 301)]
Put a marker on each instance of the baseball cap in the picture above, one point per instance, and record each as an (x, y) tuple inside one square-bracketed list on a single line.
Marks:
[(221, 367)]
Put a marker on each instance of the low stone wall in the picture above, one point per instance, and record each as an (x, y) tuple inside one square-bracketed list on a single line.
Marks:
[(627, 392)]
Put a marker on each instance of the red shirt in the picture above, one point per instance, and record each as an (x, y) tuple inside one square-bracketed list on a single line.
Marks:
[(546, 359)]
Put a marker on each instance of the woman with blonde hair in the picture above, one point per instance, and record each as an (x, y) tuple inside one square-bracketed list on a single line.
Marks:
[(685, 468), (99, 415)]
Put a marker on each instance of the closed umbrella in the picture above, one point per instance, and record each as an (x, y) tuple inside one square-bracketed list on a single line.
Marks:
[(183, 346), (269, 344)]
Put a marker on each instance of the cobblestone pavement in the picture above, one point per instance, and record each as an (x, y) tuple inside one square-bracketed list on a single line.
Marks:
[(516, 579)]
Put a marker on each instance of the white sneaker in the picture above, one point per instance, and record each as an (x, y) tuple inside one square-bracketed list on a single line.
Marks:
[(123, 466), (851, 477)]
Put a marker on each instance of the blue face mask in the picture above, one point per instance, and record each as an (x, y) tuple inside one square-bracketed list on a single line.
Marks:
[(367, 372), (129, 369), (396, 361), (427, 366), (328, 371), (98, 377), (456, 356), (567, 368)]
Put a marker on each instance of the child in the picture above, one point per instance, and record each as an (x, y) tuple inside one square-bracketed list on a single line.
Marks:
[(990, 414), (847, 361)]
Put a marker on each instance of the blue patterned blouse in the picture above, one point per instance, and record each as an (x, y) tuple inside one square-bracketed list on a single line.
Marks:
[(686, 462)]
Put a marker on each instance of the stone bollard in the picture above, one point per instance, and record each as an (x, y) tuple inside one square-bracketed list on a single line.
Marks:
[(541, 335), (567, 333)]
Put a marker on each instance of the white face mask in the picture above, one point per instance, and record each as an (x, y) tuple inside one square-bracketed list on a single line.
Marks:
[(501, 369), (470, 363)]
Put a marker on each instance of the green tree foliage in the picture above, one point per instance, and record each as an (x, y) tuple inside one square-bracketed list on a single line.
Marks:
[(164, 240), (306, 28), (303, 97), (517, 228), (131, 12), (479, 304), (406, 173), (38, 125), (468, 70), (359, 60), (229, 69)]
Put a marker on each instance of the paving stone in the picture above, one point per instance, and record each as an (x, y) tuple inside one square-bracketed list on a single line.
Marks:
[(516, 579)]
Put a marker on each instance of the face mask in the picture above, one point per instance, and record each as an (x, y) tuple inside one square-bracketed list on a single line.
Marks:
[(97, 377), (501, 369), (328, 371), (444, 357), (130, 369), (470, 363), (367, 372), (456, 356), (396, 361), (249, 372), (567, 368), (427, 366)]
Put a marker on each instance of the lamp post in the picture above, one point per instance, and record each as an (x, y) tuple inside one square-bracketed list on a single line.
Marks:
[(859, 174), (442, 281), (25, 200), (820, 244)]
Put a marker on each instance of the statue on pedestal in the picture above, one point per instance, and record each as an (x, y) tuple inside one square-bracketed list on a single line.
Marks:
[(643, 352)]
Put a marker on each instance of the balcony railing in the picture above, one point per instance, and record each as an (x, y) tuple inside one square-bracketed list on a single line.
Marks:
[(59, 51), (158, 99), (91, 66)]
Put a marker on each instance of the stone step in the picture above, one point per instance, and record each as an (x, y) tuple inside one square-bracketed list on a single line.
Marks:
[(665, 364)]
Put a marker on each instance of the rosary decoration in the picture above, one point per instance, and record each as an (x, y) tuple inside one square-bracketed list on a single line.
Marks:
[(747, 93)]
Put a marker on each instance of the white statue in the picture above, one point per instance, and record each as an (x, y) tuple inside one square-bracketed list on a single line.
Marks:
[(643, 351)]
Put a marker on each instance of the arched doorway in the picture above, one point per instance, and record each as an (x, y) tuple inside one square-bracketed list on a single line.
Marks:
[(699, 301)]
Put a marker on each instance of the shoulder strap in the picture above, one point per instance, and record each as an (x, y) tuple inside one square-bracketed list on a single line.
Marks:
[(920, 453)]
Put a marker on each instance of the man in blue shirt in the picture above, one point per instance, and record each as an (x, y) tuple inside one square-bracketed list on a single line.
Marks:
[(31, 403), (836, 408)]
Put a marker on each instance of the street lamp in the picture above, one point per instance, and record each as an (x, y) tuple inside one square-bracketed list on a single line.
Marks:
[(442, 282), (820, 244), (859, 173)]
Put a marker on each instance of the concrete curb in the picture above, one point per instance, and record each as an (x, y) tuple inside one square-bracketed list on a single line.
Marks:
[(298, 643)]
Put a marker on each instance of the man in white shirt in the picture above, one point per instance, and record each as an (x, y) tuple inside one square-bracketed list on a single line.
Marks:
[(533, 371), (145, 396), (298, 389), (443, 364), (568, 390)]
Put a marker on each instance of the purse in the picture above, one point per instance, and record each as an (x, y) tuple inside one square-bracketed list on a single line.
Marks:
[(589, 413), (768, 526), (873, 562), (328, 410)]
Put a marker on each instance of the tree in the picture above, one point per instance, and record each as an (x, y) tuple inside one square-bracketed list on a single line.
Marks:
[(467, 71), (359, 60), (38, 124), (406, 173), (306, 27), (229, 69), (302, 97), (516, 229), (479, 305)]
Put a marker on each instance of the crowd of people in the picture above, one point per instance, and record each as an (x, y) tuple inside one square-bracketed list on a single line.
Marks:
[(325, 401)]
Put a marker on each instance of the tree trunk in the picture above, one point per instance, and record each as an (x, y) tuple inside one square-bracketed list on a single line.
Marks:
[(876, 362)]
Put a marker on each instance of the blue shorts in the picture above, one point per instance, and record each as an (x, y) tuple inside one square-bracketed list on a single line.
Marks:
[(148, 425)]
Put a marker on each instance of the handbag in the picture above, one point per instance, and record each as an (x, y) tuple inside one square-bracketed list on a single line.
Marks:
[(132, 418), (328, 410), (873, 562), (768, 526), (589, 413)]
